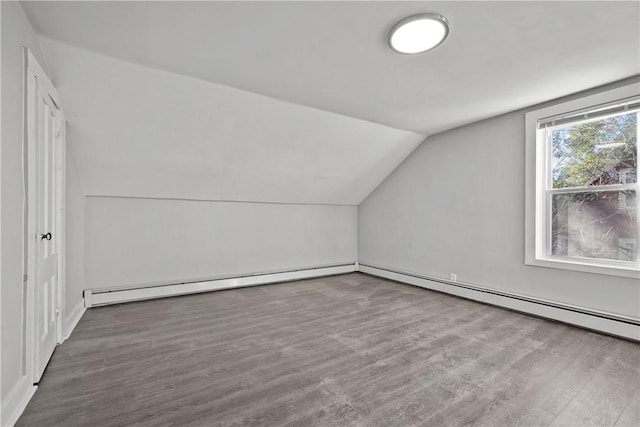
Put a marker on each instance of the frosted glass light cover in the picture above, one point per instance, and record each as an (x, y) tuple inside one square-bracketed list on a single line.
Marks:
[(418, 34)]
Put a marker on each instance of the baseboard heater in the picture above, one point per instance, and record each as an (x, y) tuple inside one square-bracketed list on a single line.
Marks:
[(121, 294), (610, 323)]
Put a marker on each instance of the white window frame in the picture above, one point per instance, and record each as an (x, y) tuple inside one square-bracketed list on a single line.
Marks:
[(536, 205)]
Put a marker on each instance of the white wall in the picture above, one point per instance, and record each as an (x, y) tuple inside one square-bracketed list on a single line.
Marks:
[(137, 241), (74, 241), (456, 205), (187, 179), (16, 33)]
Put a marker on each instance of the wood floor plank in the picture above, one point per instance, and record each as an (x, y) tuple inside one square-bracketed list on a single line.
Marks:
[(630, 416), (606, 395), (349, 350)]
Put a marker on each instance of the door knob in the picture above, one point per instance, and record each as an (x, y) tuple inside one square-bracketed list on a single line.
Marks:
[(45, 236)]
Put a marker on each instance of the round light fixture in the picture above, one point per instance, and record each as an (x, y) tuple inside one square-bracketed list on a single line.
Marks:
[(418, 33)]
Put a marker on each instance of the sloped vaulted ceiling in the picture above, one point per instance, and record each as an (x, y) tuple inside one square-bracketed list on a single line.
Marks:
[(303, 101), (143, 132)]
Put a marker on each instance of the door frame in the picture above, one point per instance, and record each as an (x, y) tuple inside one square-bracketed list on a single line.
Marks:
[(34, 71)]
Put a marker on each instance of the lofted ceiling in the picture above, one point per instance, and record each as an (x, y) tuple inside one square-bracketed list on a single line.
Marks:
[(302, 102), (500, 55), (142, 132)]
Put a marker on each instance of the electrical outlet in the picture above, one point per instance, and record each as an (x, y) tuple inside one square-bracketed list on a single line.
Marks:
[(454, 277)]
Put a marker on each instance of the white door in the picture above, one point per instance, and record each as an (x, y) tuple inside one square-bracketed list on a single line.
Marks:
[(47, 264), (45, 129)]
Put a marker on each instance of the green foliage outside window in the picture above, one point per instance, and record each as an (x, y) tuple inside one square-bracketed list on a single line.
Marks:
[(594, 153)]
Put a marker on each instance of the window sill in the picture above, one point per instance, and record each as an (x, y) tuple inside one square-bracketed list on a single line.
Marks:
[(631, 271)]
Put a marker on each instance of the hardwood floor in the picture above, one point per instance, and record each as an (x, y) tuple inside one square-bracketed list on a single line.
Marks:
[(350, 350)]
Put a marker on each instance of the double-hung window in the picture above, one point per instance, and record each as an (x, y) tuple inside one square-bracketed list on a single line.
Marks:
[(582, 184)]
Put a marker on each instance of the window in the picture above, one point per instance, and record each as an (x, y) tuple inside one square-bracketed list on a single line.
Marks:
[(582, 205)]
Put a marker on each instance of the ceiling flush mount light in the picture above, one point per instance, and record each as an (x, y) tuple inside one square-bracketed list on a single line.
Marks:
[(418, 33)]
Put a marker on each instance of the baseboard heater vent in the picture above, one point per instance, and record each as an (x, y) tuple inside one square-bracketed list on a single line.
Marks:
[(610, 323), (97, 297)]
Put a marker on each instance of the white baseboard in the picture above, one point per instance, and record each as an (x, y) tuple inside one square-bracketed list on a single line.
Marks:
[(72, 319), (115, 296), (16, 401), (610, 323)]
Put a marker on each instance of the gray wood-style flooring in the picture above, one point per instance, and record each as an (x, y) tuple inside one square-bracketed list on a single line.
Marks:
[(350, 350)]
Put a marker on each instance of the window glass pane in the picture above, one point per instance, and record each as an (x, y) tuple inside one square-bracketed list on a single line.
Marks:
[(595, 225), (592, 153)]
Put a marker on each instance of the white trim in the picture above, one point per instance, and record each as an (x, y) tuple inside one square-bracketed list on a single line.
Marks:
[(566, 313), (21, 283), (61, 225), (191, 199), (87, 298), (72, 319), (210, 278), (29, 219), (536, 159), (115, 296), (14, 404)]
